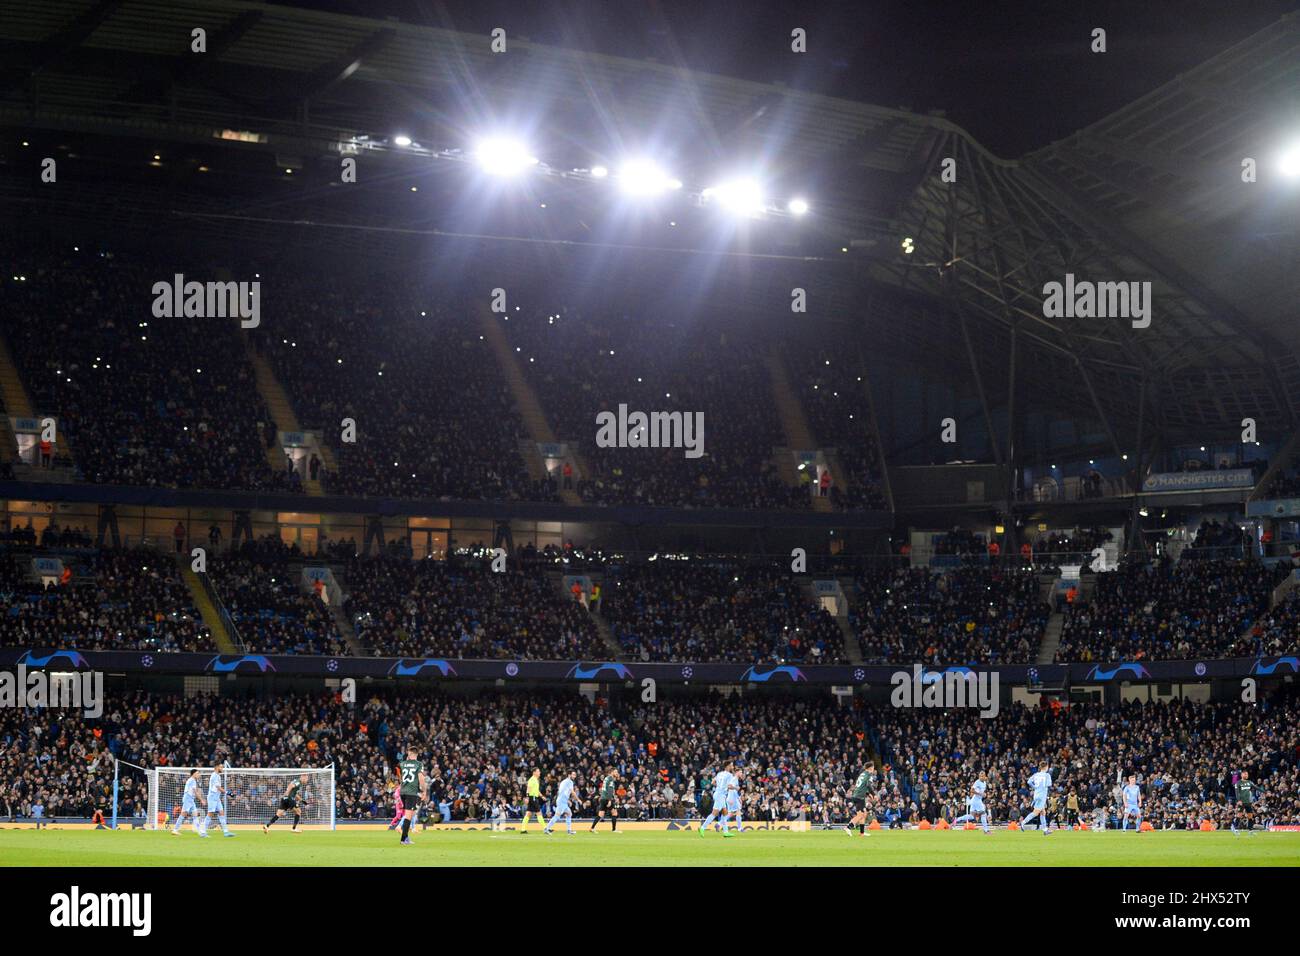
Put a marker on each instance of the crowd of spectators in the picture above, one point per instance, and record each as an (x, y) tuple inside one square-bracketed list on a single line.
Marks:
[(462, 609), (1166, 611), (1274, 633), (51, 536), (1055, 548), (1215, 539), (1285, 484), (110, 599), (434, 417), (969, 615), (582, 365), (835, 400), (795, 759), (141, 400), (698, 611), (261, 587), (1186, 756)]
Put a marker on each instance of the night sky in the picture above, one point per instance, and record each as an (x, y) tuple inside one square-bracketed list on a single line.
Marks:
[(1017, 74)]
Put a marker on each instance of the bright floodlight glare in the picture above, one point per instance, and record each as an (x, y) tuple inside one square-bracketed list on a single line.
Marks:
[(797, 207), (1290, 162), (503, 157), (402, 140), (599, 172), (744, 197), (641, 177)]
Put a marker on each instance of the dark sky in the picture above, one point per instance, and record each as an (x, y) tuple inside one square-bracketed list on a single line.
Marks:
[(1017, 74)]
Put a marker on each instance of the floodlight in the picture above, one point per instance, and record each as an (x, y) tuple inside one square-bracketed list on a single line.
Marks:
[(402, 140), (503, 157), (642, 177), (1289, 164), (744, 197), (797, 206)]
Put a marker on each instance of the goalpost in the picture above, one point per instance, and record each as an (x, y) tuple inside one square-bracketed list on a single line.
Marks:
[(252, 794)]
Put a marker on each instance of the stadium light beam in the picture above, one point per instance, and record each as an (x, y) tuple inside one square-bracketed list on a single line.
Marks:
[(743, 197), (1289, 163), (499, 156), (642, 177)]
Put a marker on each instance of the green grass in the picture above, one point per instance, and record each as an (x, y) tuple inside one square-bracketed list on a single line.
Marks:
[(645, 848)]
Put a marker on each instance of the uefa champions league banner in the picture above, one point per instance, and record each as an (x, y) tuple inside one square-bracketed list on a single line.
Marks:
[(438, 668)]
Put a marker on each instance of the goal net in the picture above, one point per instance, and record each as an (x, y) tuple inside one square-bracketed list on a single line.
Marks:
[(252, 795)]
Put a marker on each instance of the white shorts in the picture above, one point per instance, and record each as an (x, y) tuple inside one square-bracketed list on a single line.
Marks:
[(733, 803), (214, 805), (189, 806), (1040, 803), (1135, 810), (976, 806), (561, 809), (719, 803)]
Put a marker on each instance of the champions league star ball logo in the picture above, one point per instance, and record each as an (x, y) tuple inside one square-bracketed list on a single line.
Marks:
[(688, 672), (1200, 669), (859, 674), (146, 661), (512, 669), (331, 665), (1033, 675)]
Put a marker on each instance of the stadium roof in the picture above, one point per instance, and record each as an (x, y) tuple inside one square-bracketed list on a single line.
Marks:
[(1151, 193)]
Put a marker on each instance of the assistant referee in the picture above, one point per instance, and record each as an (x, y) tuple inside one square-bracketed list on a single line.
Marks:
[(534, 800)]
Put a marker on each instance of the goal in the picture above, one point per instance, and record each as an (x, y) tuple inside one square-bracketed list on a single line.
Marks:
[(252, 795)]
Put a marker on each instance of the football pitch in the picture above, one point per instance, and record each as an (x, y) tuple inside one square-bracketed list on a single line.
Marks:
[(141, 848)]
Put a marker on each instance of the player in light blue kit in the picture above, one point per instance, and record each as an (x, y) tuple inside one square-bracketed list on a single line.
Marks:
[(216, 804), (562, 807), (723, 782), (1132, 804), (733, 801), (190, 805), (975, 809), (1041, 783)]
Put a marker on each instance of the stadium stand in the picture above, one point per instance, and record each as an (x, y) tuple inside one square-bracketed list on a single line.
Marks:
[(690, 611), (464, 610), (1194, 609), (840, 414), (969, 615), (262, 590), (110, 600), (143, 401), (1186, 756), (434, 418), (479, 749), (582, 365)]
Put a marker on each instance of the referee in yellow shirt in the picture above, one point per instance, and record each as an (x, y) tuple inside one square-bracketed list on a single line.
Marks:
[(534, 800)]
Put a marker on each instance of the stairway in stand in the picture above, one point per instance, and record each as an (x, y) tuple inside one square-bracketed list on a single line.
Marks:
[(18, 403), (212, 618), (282, 413), (794, 426), (529, 405)]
